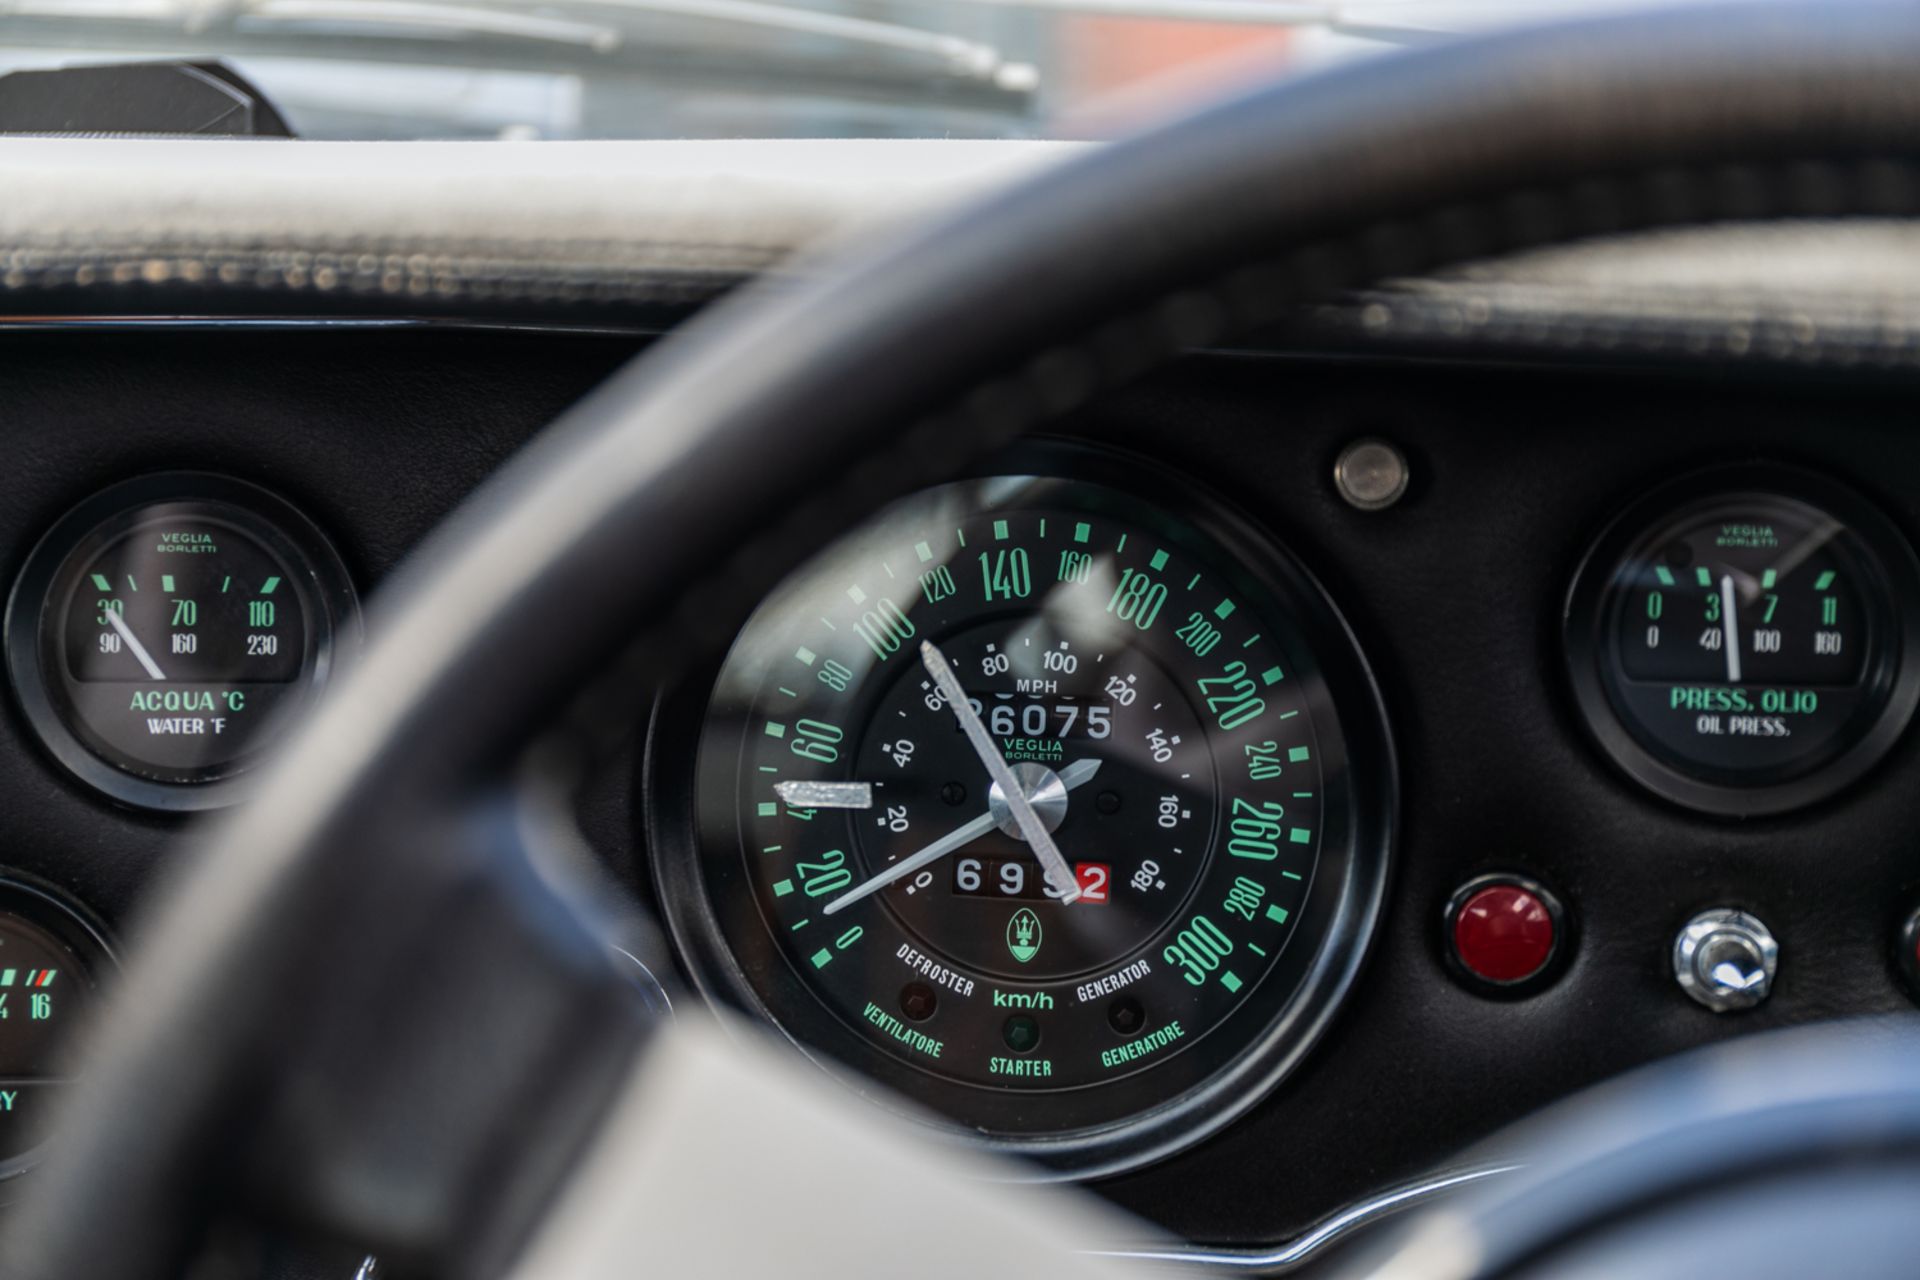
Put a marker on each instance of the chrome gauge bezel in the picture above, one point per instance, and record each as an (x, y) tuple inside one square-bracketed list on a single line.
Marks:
[(712, 917), (1891, 675), (31, 626)]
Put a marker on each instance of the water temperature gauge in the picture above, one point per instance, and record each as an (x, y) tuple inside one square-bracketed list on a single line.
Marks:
[(164, 631), (1745, 643)]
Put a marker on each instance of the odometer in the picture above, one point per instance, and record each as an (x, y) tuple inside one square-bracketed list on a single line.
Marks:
[(1745, 642), (1047, 806)]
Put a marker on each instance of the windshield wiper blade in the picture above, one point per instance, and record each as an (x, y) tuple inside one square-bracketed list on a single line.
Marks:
[(411, 16), (607, 32), (972, 59)]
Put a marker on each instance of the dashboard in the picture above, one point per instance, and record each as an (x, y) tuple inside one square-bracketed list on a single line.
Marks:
[(1249, 797)]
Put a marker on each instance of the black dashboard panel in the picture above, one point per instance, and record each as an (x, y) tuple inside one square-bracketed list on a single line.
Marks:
[(1455, 595), (375, 436)]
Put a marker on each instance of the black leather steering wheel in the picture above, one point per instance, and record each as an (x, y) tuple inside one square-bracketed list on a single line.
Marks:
[(380, 1005)]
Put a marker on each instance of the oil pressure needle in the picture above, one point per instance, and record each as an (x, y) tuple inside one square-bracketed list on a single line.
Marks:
[(1730, 628), (119, 624)]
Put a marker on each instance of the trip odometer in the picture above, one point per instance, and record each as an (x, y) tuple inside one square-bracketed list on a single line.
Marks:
[(1046, 807)]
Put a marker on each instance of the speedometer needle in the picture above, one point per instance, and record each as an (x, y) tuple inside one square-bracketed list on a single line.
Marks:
[(1076, 774), (119, 624), (1001, 772)]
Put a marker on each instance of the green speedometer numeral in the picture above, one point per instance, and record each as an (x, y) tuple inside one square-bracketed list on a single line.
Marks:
[(1256, 830), (1244, 898), (1263, 760), (829, 875), (1199, 634), (816, 740), (1005, 575), (936, 584), (1232, 695), (885, 628), (1199, 948), (1137, 599)]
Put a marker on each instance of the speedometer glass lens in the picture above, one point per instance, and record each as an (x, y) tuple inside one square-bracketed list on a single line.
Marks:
[(1162, 698)]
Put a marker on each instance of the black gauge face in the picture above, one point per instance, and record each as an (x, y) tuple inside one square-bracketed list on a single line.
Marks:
[(1746, 647), (52, 961), (162, 634), (1162, 702)]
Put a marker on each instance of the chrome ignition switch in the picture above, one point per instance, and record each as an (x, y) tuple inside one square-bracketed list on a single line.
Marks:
[(1725, 959)]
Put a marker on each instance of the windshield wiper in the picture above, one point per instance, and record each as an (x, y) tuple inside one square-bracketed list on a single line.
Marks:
[(609, 32)]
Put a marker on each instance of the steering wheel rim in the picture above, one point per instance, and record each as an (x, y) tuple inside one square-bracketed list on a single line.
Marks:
[(760, 431)]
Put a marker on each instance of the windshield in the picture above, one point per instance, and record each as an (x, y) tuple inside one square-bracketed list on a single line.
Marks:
[(728, 68)]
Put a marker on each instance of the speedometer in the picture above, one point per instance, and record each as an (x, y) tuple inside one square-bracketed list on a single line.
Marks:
[(1060, 810)]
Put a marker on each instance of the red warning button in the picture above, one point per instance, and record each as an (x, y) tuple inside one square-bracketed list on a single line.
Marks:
[(1504, 931)]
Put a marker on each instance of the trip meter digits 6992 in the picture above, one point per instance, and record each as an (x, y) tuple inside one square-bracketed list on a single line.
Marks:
[(1034, 788)]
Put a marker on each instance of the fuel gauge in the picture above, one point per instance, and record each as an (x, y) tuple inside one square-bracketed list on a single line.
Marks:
[(53, 960), (1745, 643)]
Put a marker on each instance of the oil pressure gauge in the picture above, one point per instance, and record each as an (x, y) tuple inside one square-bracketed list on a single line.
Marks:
[(1745, 642), (164, 632)]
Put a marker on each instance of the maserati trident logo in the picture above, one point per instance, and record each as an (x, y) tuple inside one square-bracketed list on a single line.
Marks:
[(1023, 935)]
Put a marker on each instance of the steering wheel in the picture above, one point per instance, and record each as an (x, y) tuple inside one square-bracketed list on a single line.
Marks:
[(380, 1005)]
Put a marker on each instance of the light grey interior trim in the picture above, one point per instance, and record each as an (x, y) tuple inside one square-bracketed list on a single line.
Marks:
[(414, 217), (677, 223), (712, 1118), (1804, 290)]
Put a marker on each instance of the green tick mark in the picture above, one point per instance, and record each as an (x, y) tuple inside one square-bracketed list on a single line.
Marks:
[(924, 551), (781, 888), (266, 588), (100, 582), (1159, 560), (1270, 676), (1294, 754), (1229, 980), (822, 958), (1277, 914), (1082, 531), (775, 729)]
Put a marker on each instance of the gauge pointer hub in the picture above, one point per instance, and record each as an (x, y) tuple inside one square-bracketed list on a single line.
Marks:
[(1077, 774)]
